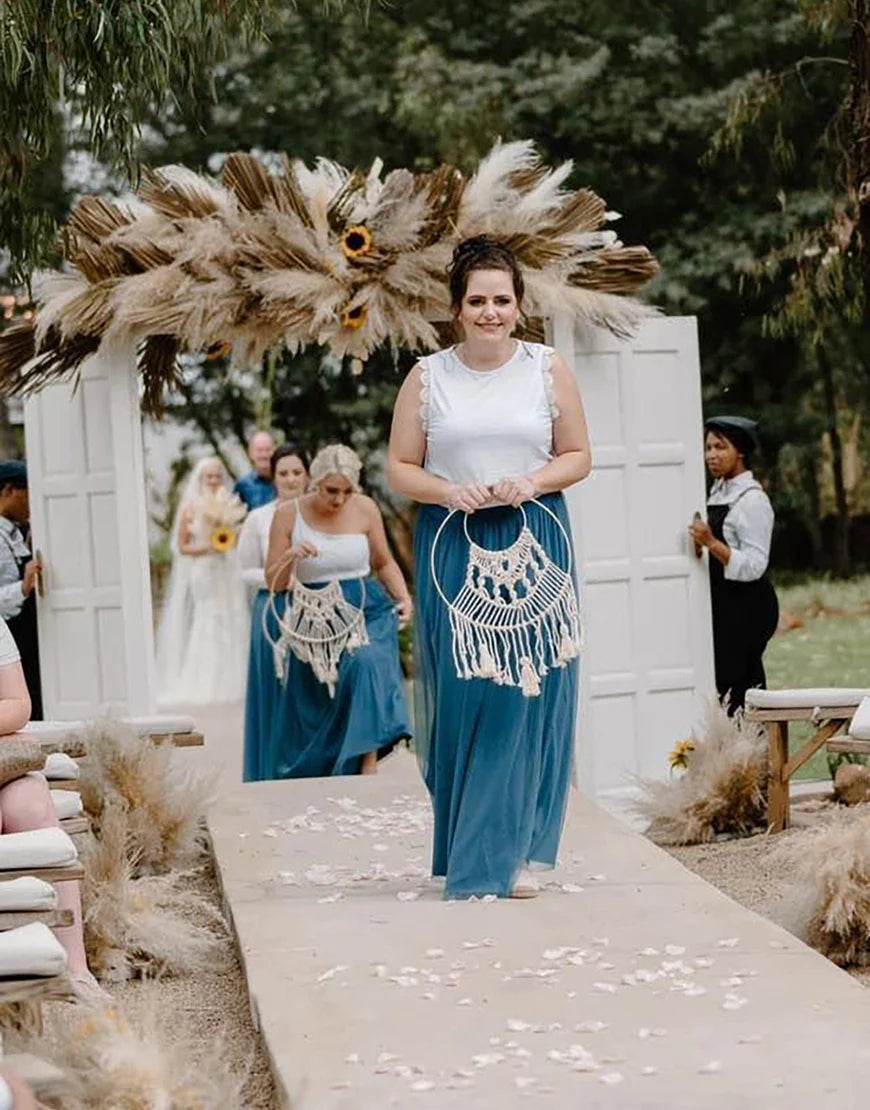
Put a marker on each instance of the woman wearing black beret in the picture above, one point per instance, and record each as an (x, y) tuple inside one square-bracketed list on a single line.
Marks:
[(737, 535)]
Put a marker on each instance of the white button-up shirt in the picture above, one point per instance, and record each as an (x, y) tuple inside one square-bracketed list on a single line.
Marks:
[(12, 550), (748, 526)]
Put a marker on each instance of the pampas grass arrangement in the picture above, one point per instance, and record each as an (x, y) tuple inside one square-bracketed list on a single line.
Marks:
[(325, 255), (137, 1060), (164, 805), (148, 926), (830, 905), (723, 787)]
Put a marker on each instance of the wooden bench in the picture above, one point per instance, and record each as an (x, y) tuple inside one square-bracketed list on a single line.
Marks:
[(62, 873), (829, 710), (51, 744), (73, 826), (54, 919)]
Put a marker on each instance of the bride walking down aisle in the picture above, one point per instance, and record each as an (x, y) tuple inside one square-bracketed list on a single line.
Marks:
[(202, 642)]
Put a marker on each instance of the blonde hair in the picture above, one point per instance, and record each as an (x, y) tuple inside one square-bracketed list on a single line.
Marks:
[(335, 459)]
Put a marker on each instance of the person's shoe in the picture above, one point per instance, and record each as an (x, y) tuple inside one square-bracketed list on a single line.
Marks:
[(526, 886)]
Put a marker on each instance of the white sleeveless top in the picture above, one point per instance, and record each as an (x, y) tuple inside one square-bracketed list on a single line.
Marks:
[(482, 426), (339, 556)]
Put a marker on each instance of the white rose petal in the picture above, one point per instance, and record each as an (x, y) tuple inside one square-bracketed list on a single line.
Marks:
[(611, 1078), (649, 1070), (423, 1085), (675, 949), (729, 942), (408, 895), (590, 1026), (434, 953), (333, 971), (711, 1068), (605, 988), (571, 888)]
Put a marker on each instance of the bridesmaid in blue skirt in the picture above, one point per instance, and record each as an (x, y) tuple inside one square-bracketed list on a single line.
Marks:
[(341, 703), (486, 435), (289, 469)]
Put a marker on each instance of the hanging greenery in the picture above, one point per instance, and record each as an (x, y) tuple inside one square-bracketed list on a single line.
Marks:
[(324, 256)]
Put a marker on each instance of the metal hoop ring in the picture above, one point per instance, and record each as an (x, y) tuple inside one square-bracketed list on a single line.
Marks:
[(452, 512)]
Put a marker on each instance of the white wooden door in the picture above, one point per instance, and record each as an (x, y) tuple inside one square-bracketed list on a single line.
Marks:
[(648, 657), (87, 498)]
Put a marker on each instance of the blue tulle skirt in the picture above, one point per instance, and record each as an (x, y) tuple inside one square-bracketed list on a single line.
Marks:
[(497, 764), (294, 729)]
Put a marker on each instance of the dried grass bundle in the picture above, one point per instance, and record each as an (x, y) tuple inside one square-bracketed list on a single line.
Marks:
[(830, 906), (148, 926), (164, 805), (138, 1060), (723, 789), (313, 255)]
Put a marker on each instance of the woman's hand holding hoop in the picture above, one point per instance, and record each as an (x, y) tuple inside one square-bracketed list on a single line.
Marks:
[(405, 610), (467, 497), (514, 491)]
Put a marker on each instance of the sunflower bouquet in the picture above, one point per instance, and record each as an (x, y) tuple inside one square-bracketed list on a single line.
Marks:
[(220, 513)]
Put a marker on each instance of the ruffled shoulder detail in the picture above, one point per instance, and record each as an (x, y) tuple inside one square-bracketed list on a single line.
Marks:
[(547, 356), (425, 378)]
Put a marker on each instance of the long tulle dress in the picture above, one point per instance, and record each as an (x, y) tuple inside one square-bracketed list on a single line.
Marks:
[(497, 764), (203, 636), (313, 733)]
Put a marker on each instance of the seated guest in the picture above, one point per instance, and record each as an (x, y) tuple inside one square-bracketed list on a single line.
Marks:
[(256, 487), (25, 803), (18, 575)]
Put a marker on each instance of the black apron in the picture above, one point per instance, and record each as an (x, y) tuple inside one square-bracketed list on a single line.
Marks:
[(24, 632), (745, 616)]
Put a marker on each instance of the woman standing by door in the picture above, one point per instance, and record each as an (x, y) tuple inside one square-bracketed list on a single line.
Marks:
[(737, 535), (492, 430)]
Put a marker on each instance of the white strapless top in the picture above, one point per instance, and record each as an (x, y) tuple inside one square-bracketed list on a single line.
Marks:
[(482, 426), (339, 556)]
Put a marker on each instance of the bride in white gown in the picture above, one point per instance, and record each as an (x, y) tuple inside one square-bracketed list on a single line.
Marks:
[(203, 637)]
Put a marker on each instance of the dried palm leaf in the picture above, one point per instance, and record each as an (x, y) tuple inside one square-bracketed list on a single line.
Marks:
[(314, 255), (137, 1059)]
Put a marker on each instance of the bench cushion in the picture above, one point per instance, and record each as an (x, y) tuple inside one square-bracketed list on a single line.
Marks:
[(36, 848), (67, 803), (26, 893), (59, 765), (31, 950), (822, 697), (859, 727)]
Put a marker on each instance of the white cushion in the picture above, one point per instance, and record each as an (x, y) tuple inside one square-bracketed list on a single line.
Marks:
[(59, 765), (156, 724), (27, 893), (31, 950), (36, 848), (859, 727), (67, 803), (820, 697)]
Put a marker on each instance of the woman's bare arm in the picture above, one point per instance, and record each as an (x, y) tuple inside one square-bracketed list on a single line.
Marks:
[(382, 561), (186, 544), (14, 699)]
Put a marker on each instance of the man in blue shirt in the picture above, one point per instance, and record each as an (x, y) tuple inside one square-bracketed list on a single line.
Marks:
[(255, 488)]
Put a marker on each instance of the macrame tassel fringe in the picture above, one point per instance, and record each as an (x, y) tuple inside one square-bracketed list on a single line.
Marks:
[(318, 626), (515, 617)]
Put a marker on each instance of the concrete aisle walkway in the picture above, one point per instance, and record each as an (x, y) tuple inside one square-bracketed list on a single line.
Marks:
[(630, 983)]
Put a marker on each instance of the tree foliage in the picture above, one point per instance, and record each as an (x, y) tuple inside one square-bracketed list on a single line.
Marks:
[(105, 66)]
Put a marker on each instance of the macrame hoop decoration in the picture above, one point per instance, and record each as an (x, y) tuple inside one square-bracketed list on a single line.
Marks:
[(516, 615), (318, 627)]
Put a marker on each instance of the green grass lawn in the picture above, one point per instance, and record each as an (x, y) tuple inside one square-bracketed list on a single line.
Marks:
[(831, 649)]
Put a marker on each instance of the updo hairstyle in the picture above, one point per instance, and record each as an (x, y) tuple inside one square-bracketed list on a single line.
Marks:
[(336, 459), (481, 253)]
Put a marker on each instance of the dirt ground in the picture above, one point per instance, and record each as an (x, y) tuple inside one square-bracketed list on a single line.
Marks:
[(746, 871)]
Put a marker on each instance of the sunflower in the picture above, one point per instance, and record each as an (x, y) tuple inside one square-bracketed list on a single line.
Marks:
[(223, 540), (354, 317), (679, 756), (356, 241)]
